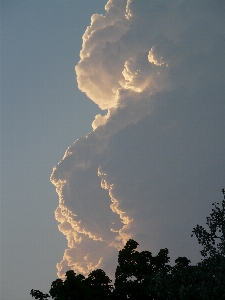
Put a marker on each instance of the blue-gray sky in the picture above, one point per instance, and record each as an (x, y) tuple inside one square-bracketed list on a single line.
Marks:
[(42, 113), (155, 160)]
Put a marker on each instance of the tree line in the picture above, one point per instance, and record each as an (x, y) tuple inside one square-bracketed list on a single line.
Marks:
[(140, 275)]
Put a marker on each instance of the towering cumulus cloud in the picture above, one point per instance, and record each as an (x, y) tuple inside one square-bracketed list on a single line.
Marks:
[(154, 163)]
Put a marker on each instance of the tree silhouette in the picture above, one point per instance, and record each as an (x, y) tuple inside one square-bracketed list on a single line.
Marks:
[(213, 241)]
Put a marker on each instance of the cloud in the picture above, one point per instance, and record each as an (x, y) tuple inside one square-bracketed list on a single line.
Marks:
[(152, 165)]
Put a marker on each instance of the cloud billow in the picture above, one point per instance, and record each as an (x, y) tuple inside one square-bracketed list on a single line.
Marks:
[(152, 165)]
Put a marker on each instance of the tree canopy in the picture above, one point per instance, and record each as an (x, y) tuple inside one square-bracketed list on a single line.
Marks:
[(140, 275)]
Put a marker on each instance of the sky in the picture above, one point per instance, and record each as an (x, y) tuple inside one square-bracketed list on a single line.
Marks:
[(132, 137), (42, 113)]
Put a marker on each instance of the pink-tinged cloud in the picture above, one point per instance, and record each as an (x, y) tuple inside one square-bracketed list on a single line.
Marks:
[(155, 162)]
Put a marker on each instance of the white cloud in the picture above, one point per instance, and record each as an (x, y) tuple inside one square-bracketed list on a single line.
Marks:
[(155, 162)]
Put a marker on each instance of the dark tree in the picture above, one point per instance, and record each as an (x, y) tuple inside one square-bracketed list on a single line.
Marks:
[(95, 287), (213, 240), (137, 272), (99, 284)]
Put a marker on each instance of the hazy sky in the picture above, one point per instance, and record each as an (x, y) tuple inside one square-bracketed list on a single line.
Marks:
[(42, 113), (147, 166)]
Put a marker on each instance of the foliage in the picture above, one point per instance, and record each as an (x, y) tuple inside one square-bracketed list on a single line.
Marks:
[(140, 275), (136, 272), (38, 295), (216, 224), (96, 286), (99, 285)]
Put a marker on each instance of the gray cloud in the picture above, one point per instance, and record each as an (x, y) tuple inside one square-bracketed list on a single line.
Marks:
[(152, 166)]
